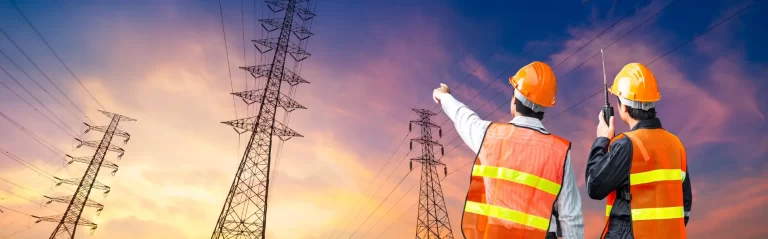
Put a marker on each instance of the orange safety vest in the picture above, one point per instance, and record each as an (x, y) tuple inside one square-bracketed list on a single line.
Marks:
[(655, 184), (512, 195)]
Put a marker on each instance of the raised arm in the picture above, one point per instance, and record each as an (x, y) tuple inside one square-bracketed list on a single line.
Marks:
[(470, 127), (607, 170)]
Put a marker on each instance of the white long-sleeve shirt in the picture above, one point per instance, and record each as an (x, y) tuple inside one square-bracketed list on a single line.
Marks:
[(471, 129)]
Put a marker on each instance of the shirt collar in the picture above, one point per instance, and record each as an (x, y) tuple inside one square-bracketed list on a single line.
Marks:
[(654, 123), (529, 122)]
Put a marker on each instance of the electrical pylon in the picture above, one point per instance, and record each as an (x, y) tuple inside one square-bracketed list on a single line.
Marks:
[(244, 214), (69, 221), (432, 220)]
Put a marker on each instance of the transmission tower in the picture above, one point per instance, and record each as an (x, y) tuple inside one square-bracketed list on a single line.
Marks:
[(432, 220), (244, 214), (69, 221)]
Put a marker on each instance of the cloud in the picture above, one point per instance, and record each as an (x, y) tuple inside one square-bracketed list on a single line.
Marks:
[(179, 164), (702, 109)]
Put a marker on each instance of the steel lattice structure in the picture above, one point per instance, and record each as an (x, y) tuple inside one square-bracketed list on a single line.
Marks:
[(69, 221), (244, 214), (432, 220)]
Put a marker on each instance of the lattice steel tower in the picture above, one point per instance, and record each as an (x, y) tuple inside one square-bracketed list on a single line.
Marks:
[(69, 221), (432, 220), (244, 214)]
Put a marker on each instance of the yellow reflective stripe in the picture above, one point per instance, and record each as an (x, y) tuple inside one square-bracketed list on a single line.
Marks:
[(507, 214), (516, 176), (657, 213), (652, 213), (656, 176)]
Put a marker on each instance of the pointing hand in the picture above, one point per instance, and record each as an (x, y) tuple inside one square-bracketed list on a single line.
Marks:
[(439, 92)]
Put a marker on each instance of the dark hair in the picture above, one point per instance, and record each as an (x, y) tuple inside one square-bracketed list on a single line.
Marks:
[(525, 111), (639, 114)]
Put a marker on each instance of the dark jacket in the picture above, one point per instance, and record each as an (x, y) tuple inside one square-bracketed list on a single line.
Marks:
[(609, 172)]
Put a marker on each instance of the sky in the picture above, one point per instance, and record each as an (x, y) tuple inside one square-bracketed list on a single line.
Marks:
[(164, 63)]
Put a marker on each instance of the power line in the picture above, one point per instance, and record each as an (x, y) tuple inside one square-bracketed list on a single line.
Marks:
[(229, 70), (14, 210), (42, 73), (28, 92), (650, 63), (406, 211), (55, 54), (472, 72), (390, 209), (292, 93), (31, 106), (18, 196), (39, 140), (558, 64), (460, 83), (28, 165), (601, 33), (38, 85), (22, 187), (371, 183), (376, 192), (584, 62), (398, 219), (245, 60), (551, 31), (468, 75), (398, 147), (382, 202), (510, 99), (250, 186)]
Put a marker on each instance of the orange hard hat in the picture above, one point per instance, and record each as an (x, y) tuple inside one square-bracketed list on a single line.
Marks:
[(536, 81), (636, 82)]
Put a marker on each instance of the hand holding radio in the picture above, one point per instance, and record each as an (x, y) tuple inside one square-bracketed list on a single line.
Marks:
[(605, 122)]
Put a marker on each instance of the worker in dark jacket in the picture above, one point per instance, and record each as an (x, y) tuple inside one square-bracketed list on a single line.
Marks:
[(643, 173)]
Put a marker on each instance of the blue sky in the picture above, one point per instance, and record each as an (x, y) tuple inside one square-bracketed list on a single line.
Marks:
[(163, 62)]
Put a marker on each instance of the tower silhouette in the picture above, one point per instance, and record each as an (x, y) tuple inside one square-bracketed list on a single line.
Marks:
[(432, 220), (244, 214), (71, 218)]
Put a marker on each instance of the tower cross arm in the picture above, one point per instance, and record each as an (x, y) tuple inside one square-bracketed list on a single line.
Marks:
[(284, 132), (425, 141), (263, 71), (268, 44), (257, 71), (272, 24), (423, 123), (305, 13), (103, 129), (57, 218), (95, 144), (67, 199), (87, 159), (120, 117), (284, 101), (76, 181), (242, 125), (424, 159), (423, 113), (292, 78)]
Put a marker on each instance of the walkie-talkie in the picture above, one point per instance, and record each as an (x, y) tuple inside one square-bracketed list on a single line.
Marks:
[(607, 109)]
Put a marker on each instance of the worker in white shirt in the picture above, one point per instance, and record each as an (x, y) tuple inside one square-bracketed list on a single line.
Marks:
[(522, 183)]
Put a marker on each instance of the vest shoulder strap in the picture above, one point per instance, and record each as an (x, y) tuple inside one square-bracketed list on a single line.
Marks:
[(561, 140), (637, 142), (617, 137)]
